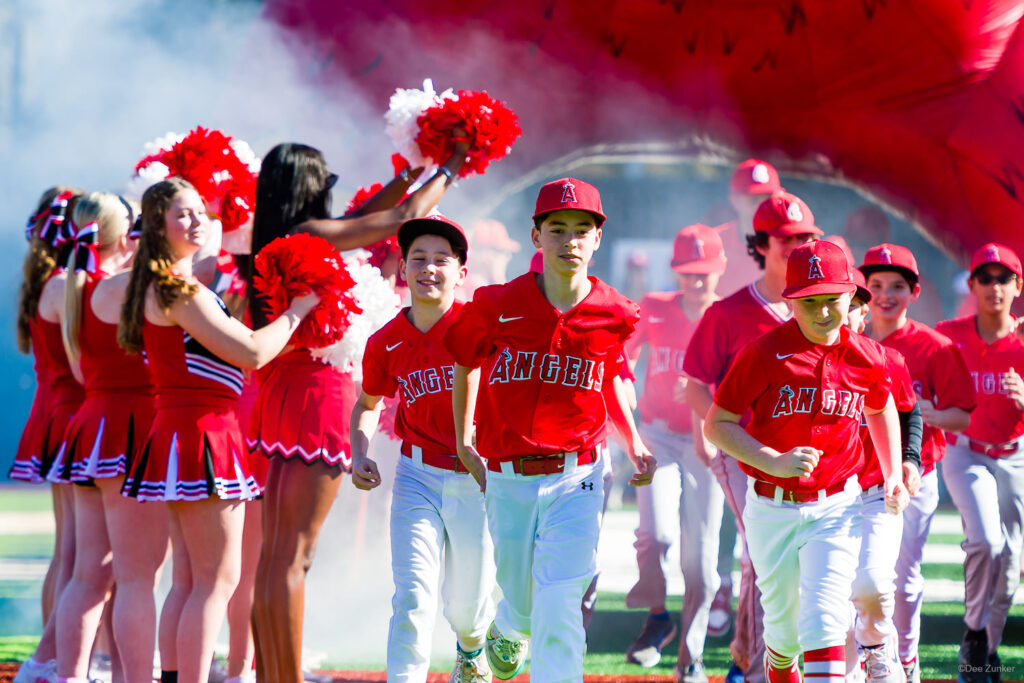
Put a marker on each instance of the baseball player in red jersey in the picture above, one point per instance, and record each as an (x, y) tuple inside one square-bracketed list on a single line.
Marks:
[(873, 634), (806, 384), (945, 398), (547, 349), (437, 509), (684, 495), (984, 467), (782, 223), (752, 182)]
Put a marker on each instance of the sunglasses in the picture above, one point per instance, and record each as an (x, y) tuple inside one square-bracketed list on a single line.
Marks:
[(988, 278)]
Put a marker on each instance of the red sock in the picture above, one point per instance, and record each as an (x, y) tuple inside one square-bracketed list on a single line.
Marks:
[(825, 664), (780, 669)]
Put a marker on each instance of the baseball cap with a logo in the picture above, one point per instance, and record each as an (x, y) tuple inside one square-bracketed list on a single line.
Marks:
[(816, 268), (698, 249), (994, 252), (569, 193), (892, 257), (754, 176), (784, 214), (435, 224)]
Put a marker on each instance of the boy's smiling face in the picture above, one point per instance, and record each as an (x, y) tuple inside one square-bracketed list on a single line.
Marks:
[(568, 239), (819, 317)]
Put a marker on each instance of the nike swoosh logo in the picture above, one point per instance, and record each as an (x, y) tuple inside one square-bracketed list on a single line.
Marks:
[(503, 319), (392, 347), (783, 356)]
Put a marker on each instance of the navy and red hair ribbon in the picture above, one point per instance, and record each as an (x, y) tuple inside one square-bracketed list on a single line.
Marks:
[(56, 229), (86, 256)]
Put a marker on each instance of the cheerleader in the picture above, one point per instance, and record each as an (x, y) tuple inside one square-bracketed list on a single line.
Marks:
[(117, 410), (193, 457), (58, 395), (301, 416)]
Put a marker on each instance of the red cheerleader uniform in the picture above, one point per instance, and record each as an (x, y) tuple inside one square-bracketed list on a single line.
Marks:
[(118, 408), (303, 410), (194, 449), (58, 396)]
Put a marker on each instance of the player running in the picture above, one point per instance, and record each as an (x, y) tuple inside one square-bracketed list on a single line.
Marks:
[(437, 509), (547, 348), (807, 383)]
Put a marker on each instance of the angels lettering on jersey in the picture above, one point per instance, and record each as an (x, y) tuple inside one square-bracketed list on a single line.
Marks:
[(990, 383), (550, 368), (841, 403), (429, 381)]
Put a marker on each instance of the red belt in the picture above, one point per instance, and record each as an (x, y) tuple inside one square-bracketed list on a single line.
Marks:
[(434, 458), (543, 464), (993, 450), (766, 490)]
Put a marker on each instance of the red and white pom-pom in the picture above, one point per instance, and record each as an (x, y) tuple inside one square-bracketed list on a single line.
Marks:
[(491, 128), (404, 110), (221, 168), (361, 196), (379, 304), (299, 264)]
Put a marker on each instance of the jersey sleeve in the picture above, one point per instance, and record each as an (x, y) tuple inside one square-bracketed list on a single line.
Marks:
[(745, 381), (469, 337), (705, 359), (639, 338), (887, 378), (377, 377), (902, 385), (951, 380)]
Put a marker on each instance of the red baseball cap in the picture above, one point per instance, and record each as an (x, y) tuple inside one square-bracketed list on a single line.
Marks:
[(569, 193), (818, 267), (434, 224), (698, 249), (784, 214), (862, 293), (994, 252), (754, 176), (891, 257)]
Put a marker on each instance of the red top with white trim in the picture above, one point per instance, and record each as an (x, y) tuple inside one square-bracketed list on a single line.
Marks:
[(106, 366), (399, 357), (996, 419), (666, 331), (904, 397), (806, 394), (939, 374), (542, 371), (726, 327)]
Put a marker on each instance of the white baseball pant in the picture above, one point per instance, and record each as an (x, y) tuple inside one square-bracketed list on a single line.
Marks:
[(874, 585), (683, 501), (590, 595), (436, 516), (805, 555), (749, 626), (917, 521), (545, 530), (989, 493)]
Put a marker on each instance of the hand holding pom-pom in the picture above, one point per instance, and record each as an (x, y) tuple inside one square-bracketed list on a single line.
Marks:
[(299, 266), (483, 124)]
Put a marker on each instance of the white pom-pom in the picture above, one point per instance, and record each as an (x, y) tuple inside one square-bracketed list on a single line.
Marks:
[(245, 154), (147, 176), (379, 303), (404, 108)]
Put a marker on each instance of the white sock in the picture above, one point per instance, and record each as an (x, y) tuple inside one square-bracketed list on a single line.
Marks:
[(33, 663)]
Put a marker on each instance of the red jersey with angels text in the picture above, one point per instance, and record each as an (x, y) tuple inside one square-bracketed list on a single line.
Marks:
[(904, 397), (806, 394), (399, 357), (725, 328), (541, 371), (666, 331), (996, 419), (940, 375)]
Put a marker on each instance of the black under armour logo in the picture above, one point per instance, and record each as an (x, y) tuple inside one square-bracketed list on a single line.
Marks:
[(588, 486)]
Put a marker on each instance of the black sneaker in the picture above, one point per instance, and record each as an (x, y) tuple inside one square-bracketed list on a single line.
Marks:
[(646, 649), (995, 668), (973, 657)]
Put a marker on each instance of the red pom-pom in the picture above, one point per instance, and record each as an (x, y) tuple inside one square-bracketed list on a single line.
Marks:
[(299, 264), (399, 163), (491, 128), (206, 159), (386, 424), (361, 196), (379, 252)]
